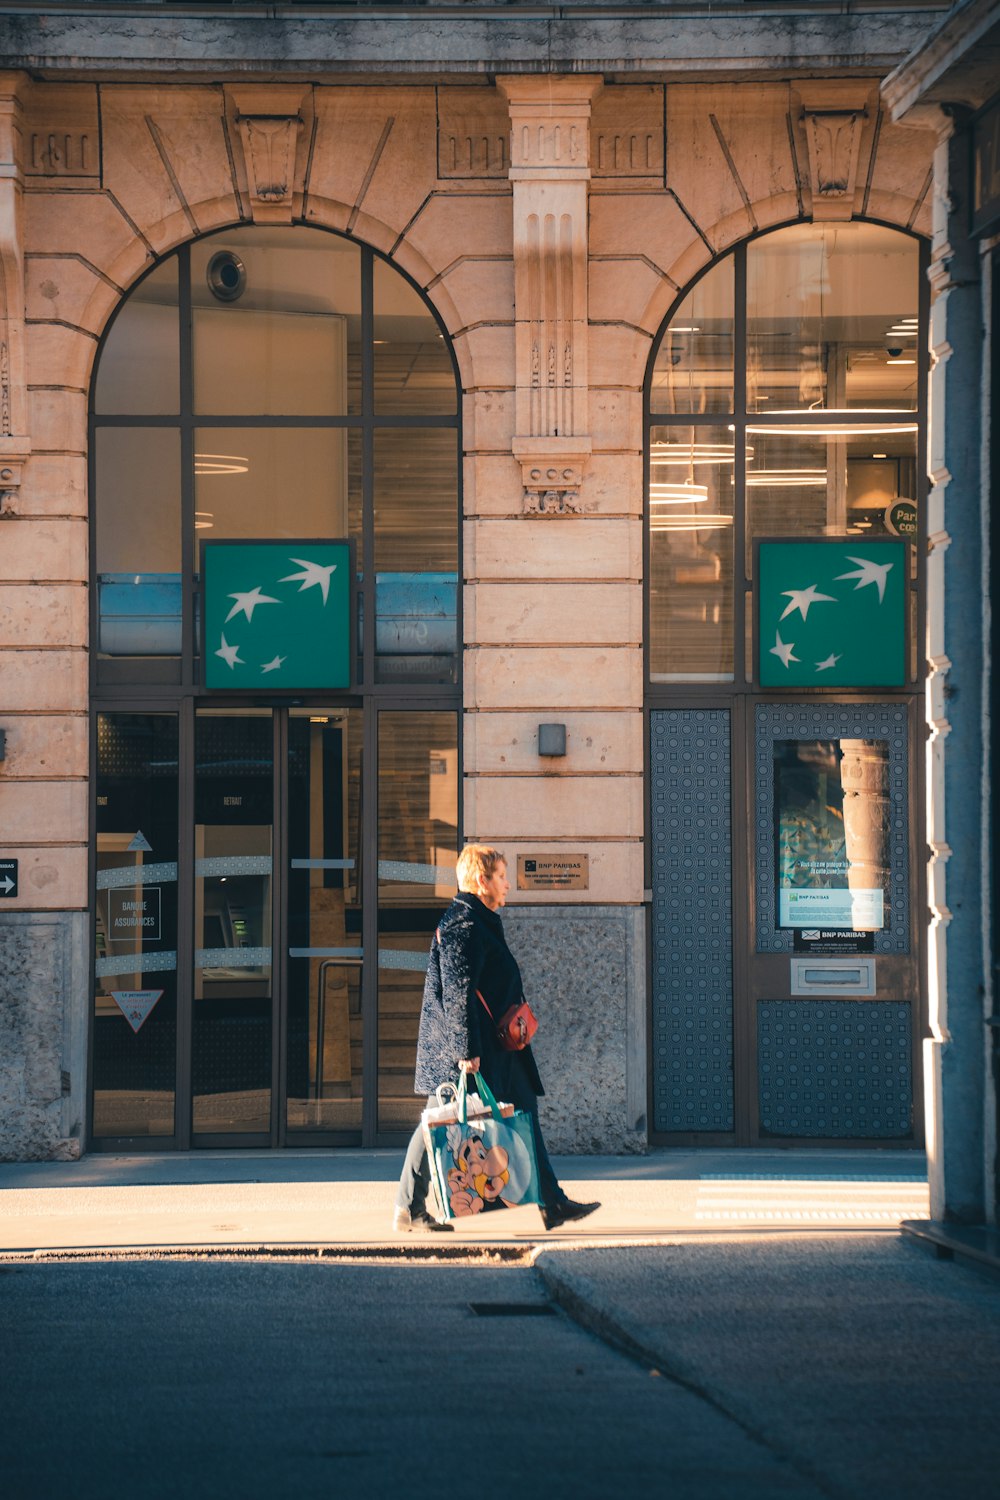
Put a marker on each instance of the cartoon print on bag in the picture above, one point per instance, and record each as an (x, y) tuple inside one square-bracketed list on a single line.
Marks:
[(479, 1175)]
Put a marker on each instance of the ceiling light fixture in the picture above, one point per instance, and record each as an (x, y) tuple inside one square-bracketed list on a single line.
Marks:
[(220, 463), (678, 494)]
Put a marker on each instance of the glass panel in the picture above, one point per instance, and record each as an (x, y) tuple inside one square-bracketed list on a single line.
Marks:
[(231, 1028), (694, 367), (831, 826), (138, 485), (416, 555), (272, 482), (324, 1037), (839, 479), (135, 996), (139, 369), (282, 344), (691, 492), (417, 850), (832, 319), (413, 368)]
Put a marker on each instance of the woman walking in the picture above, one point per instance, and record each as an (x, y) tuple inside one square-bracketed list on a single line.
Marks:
[(469, 953)]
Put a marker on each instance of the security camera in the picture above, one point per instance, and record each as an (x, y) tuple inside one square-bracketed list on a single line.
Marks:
[(893, 345), (226, 276)]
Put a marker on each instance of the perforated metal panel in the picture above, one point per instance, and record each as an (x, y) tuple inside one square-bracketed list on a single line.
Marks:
[(797, 721), (836, 1068), (692, 1061)]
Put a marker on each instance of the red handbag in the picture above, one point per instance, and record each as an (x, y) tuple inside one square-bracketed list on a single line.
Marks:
[(516, 1026)]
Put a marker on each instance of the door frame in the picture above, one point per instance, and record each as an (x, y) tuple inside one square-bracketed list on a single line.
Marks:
[(746, 1126), (277, 1136)]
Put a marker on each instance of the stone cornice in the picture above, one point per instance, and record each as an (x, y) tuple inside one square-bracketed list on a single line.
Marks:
[(957, 63), (657, 42)]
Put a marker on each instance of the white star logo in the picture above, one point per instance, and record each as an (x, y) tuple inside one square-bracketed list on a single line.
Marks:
[(782, 650), (230, 655), (313, 575), (868, 572), (272, 666), (831, 661), (801, 599), (248, 602)]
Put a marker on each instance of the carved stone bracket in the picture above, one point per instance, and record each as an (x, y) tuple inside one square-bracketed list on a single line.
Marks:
[(270, 123), (552, 473), (550, 173), (14, 452), (833, 118)]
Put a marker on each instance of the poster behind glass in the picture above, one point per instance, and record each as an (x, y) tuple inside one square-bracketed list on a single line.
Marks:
[(832, 834)]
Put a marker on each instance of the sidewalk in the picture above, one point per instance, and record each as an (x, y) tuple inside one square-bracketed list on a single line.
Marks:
[(871, 1368), (342, 1200)]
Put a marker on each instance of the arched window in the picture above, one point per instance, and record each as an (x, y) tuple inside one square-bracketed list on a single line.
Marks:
[(782, 401), (275, 383), (271, 853)]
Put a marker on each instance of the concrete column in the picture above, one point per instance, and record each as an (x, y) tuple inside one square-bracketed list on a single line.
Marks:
[(958, 594)]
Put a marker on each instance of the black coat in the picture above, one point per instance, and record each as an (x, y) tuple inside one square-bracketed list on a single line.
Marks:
[(469, 953)]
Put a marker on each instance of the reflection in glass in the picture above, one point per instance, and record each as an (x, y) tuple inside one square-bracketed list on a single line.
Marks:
[(831, 801), (691, 497), (135, 914), (281, 347), (832, 319), (416, 554), (272, 482), (693, 372), (324, 1037), (139, 369), (138, 473), (231, 1028), (417, 850), (836, 480), (413, 369)]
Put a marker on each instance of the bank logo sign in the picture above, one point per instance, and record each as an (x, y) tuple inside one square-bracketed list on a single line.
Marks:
[(832, 613), (276, 615)]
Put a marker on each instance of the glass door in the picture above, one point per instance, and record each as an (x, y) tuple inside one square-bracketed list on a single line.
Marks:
[(233, 1017), (417, 851), (323, 1027)]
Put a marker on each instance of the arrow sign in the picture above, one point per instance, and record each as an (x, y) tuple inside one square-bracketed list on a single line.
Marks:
[(8, 877), (135, 1005)]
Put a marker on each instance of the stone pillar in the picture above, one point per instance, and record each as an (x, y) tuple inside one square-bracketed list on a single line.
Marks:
[(958, 595), (553, 633), (43, 704), (550, 173)]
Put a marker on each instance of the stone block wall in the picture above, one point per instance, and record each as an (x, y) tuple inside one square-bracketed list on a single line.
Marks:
[(552, 221)]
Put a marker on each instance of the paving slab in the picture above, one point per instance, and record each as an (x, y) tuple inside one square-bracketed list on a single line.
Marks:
[(873, 1366)]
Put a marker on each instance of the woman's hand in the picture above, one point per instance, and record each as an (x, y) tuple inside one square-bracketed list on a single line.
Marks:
[(469, 1065)]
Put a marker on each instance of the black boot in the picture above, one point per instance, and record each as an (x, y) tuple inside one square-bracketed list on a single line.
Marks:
[(565, 1212)]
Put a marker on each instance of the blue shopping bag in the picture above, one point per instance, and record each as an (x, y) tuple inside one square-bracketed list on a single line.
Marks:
[(484, 1163)]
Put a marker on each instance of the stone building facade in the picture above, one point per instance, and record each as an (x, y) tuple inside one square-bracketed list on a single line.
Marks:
[(553, 197)]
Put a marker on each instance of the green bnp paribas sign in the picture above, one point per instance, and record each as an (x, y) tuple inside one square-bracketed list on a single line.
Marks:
[(276, 615), (832, 613)]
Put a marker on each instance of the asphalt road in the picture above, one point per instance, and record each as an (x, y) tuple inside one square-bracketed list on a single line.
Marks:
[(148, 1380)]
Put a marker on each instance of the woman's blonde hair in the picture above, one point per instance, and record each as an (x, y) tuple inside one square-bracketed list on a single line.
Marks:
[(477, 861)]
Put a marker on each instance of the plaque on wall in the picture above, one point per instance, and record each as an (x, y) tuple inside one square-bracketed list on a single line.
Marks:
[(821, 940), (553, 872)]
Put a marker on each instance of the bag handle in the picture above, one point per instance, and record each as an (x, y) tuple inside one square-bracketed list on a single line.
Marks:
[(482, 1089)]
